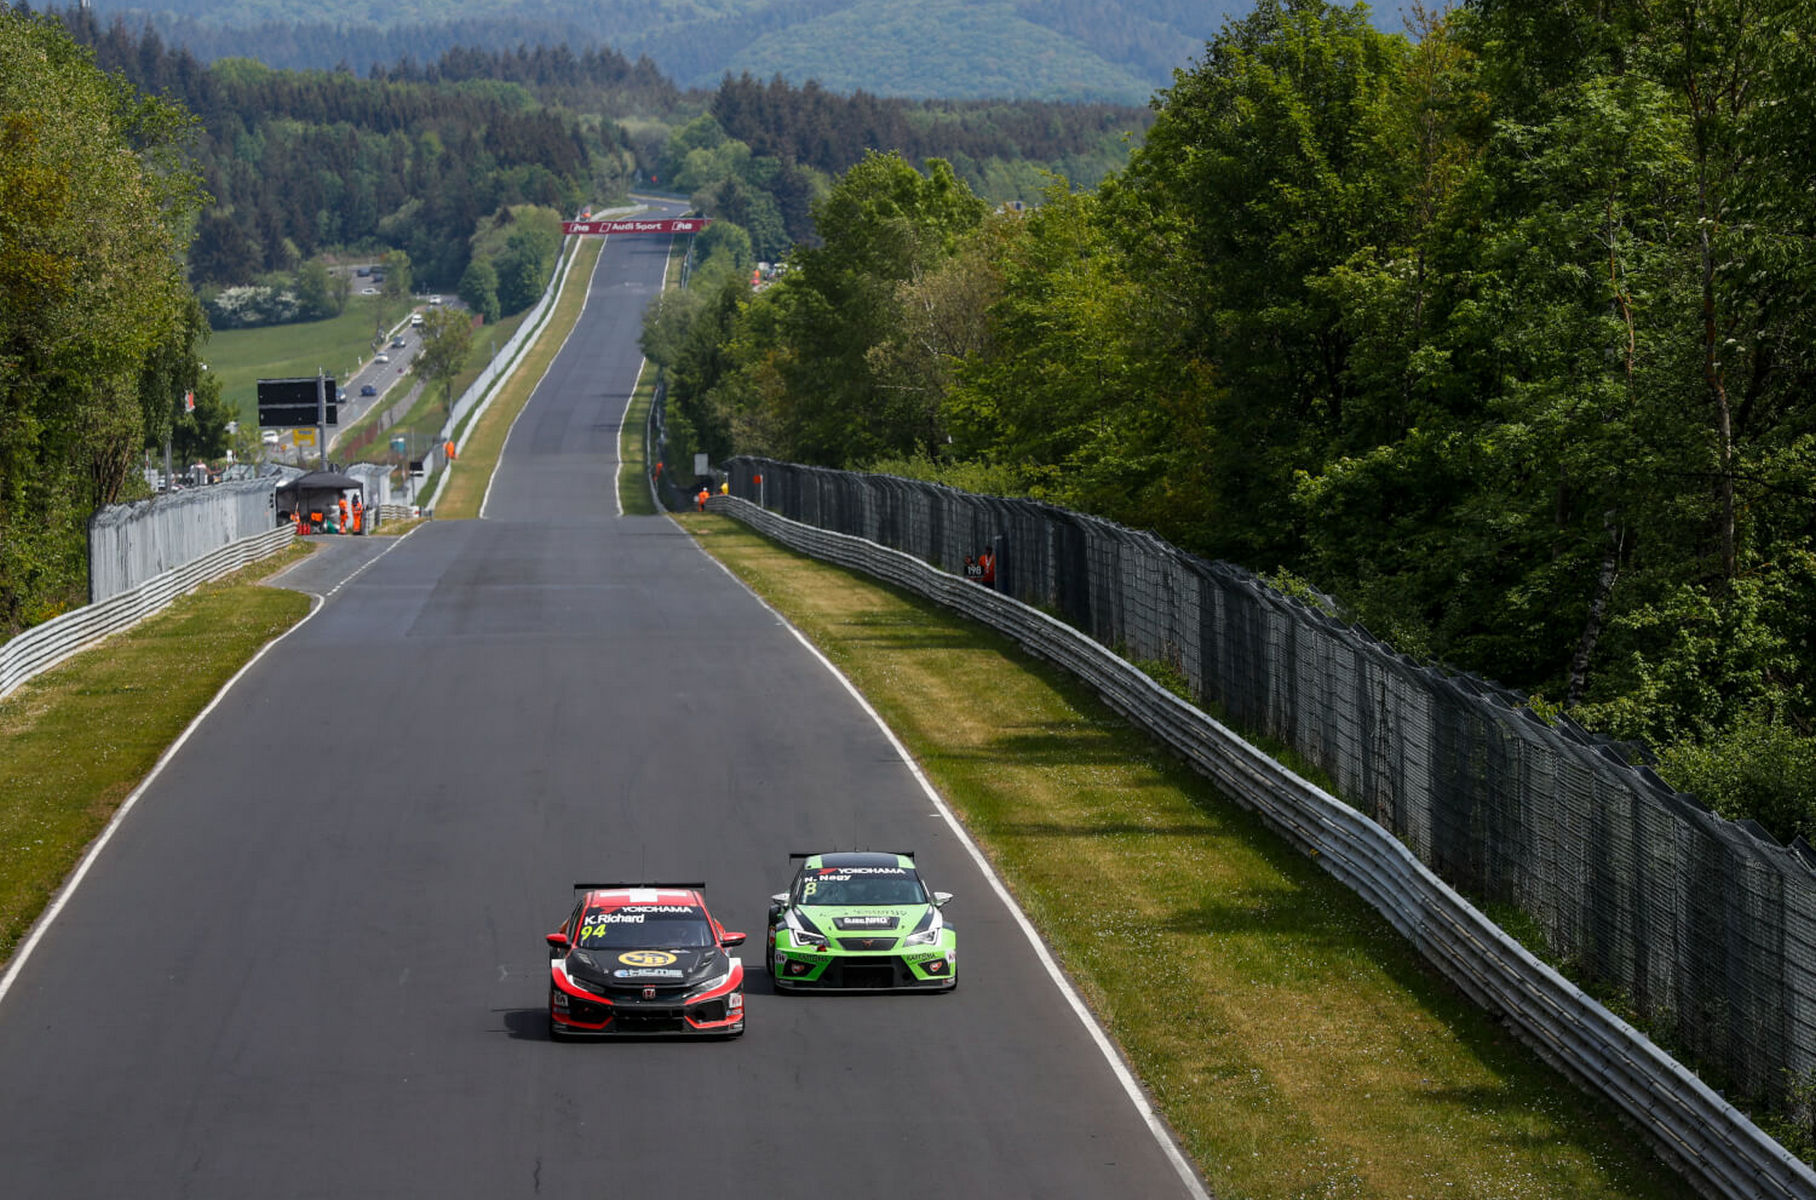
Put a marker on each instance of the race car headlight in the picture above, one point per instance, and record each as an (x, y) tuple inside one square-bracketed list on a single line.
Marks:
[(716, 981), (803, 938), (929, 936)]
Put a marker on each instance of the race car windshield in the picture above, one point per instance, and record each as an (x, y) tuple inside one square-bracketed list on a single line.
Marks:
[(842, 888), (634, 928)]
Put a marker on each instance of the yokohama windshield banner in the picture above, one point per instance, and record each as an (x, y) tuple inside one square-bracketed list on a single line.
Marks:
[(676, 225)]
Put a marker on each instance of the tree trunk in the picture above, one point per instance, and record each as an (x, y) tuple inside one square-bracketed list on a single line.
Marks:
[(1598, 610)]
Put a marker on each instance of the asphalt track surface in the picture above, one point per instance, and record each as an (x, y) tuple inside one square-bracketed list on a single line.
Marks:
[(309, 963)]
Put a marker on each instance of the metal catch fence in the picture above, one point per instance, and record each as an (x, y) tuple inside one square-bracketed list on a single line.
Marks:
[(129, 544), (1706, 926)]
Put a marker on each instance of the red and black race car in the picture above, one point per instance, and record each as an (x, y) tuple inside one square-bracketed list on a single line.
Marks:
[(643, 958)]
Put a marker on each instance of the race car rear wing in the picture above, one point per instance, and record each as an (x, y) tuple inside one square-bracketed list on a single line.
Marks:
[(810, 853), (593, 887)]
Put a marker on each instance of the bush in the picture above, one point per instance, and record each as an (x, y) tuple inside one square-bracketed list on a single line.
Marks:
[(1761, 769)]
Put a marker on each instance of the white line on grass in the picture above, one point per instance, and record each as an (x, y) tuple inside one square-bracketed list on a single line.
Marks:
[(1130, 1085)]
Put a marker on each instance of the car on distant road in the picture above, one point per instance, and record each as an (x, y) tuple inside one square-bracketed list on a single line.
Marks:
[(434, 299), (367, 389), (369, 292), (383, 357), (269, 437), (398, 343), (643, 958), (860, 920)]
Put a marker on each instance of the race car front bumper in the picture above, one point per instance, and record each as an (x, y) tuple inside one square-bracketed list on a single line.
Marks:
[(809, 969), (577, 1012)]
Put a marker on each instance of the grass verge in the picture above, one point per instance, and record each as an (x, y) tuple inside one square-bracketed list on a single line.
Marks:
[(76, 740), (1296, 1043), (465, 488), (633, 448)]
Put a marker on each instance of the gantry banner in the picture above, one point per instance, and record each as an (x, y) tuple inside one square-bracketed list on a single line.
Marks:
[(672, 225)]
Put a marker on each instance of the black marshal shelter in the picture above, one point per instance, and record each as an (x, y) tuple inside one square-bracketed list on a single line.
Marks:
[(317, 496)]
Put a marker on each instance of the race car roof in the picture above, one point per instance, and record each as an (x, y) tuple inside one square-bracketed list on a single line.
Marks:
[(865, 858), (617, 894)]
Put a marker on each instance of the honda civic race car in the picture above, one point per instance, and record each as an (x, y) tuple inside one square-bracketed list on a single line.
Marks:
[(858, 921), (643, 958)]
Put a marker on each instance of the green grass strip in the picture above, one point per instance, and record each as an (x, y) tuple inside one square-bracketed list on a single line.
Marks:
[(633, 448), (1297, 1044), (75, 741)]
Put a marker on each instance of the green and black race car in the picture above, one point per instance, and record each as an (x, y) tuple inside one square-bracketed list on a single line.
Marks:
[(860, 921)]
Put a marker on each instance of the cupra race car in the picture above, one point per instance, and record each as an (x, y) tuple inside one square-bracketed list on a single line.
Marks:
[(860, 920), (643, 958)]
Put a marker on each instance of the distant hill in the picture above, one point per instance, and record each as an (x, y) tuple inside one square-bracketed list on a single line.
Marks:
[(1117, 52)]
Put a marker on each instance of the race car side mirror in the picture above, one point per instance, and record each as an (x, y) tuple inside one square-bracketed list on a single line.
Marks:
[(558, 944), (780, 899), (940, 898), (732, 939)]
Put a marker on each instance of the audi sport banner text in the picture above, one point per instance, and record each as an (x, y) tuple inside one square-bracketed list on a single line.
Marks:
[(678, 225)]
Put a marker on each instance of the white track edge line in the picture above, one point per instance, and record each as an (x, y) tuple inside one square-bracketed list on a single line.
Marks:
[(43, 923), (363, 568), (505, 445), (618, 467), (1130, 1085)]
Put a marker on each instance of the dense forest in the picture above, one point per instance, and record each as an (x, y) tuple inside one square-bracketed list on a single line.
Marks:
[(998, 49), (1502, 335), (98, 330), (298, 163), (451, 174), (414, 156), (832, 131)]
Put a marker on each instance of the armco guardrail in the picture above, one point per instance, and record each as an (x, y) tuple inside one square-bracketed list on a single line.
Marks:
[(44, 646), (1715, 1144)]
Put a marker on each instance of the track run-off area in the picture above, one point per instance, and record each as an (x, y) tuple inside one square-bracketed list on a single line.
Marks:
[(309, 961)]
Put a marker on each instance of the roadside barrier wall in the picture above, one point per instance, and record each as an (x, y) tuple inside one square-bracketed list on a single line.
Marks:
[(129, 544), (1706, 923), (42, 647)]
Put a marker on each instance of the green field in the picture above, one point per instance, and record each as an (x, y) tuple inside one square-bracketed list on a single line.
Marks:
[(242, 357)]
